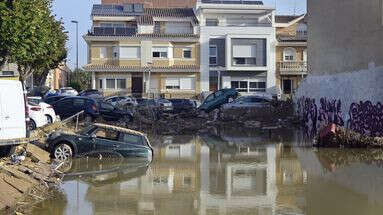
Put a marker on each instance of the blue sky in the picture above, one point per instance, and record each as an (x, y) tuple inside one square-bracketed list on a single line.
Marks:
[(80, 10)]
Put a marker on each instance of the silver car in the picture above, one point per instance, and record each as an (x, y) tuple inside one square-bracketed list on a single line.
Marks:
[(122, 101), (248, 102)]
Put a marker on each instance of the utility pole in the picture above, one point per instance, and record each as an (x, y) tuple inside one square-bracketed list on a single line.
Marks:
[(76, 22)]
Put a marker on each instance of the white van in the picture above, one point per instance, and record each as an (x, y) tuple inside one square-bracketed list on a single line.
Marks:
[(13, 115)]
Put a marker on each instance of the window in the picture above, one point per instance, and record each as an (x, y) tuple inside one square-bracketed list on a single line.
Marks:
[(100, 83), (160, 52), (289, 54), (180, 83), (107, 106), (138, 8), (103, 52), (257, 86), (249, 86), (211, 22), (115, 52), (244, 54), (178, 28), (78, 102), (172, 83), (121, 83), (187, 53), (157, 27), (213, 55), (210, 98), (130, 52), (132, 139), (110, 83)]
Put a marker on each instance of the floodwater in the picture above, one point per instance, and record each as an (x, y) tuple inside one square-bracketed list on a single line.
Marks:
[(226, 172)]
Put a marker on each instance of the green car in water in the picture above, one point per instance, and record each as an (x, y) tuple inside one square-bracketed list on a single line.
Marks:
[(217, 99), (99, 139)]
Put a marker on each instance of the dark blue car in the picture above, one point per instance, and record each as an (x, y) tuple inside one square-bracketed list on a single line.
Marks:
[(70, 106)]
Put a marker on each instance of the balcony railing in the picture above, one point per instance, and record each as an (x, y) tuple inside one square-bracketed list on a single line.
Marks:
[(293, 67), (113, 31)]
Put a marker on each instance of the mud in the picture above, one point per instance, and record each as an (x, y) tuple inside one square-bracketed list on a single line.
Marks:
[(25, 179)]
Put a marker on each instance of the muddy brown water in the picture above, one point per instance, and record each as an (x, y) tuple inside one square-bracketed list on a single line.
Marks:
[(226, 172)]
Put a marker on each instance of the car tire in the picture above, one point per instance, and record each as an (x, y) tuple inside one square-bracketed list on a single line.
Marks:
[(32, 125), (49, 119), (63, 151), (6, 151)]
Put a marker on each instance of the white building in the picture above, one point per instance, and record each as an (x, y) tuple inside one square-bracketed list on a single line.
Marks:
[(237, 45)]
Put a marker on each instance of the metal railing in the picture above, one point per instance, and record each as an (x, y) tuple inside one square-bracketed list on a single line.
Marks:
[(113, 31), (293, 66)]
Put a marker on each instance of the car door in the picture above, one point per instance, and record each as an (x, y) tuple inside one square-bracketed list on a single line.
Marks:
[(64, 108), (106, 140), (107, 111)]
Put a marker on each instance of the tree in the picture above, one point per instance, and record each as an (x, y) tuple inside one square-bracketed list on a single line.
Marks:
[(30, 36)]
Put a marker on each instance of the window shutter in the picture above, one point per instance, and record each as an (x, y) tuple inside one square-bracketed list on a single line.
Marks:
[(244, 51), (129, 52), (187, 83)]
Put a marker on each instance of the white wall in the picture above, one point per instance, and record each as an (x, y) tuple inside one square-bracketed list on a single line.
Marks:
[(267, 33)]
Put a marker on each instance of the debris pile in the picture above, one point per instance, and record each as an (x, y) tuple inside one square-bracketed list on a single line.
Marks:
[(276, 115), (342, 137), (25, 178)]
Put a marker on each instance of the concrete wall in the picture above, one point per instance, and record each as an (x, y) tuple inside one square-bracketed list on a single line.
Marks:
[(344, 36), (349, 99)]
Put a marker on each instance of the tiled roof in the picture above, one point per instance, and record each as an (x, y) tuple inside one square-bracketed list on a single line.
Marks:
[(292, 38), (145, 20), (285, 18), (184, 68), (118, 10), (248, 2), (155, 35)]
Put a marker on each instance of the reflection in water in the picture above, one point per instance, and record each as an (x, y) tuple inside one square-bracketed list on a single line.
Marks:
[(226, 172)]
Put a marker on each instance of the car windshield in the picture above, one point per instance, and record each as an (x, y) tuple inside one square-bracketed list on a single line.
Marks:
[(107, 106)]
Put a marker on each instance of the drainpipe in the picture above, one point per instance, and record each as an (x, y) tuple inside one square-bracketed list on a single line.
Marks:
[(219, 79)]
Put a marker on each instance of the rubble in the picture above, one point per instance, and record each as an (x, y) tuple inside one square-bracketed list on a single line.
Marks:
[(277, 115), (342, 137), (26, 181)]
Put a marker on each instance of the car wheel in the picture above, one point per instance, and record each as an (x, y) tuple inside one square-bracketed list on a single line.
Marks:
[(32, 125), (6, 151), (49, 119), (63, 152)]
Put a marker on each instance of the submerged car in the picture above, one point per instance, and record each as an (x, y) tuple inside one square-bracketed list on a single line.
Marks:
[(99, 138), (217, 99), (248, 102)]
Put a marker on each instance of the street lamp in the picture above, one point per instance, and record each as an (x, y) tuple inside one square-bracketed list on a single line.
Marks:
[(76, 22), (149, 68)]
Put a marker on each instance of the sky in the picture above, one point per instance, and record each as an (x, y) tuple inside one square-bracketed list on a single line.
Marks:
[(79, 10)]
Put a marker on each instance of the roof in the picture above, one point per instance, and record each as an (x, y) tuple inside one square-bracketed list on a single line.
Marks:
[(118, 10), (115, 128), (103, 68), (285, 18), (248, 2)]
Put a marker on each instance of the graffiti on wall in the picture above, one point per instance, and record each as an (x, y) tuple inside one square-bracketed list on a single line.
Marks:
[(330, 111), (308, 111), (366, 118)]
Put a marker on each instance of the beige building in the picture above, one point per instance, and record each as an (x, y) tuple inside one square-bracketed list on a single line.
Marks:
[(138, 50), (291, 53)]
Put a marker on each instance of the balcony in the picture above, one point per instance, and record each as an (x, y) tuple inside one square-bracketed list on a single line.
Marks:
[(293, 68), (113, 31)]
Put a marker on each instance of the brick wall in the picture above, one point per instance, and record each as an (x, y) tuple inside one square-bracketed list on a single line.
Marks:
[(156, 3)]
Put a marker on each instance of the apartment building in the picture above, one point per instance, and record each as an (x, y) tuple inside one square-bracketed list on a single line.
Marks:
[(237, 46), (134, 50), (291, 53), (155, 3)]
